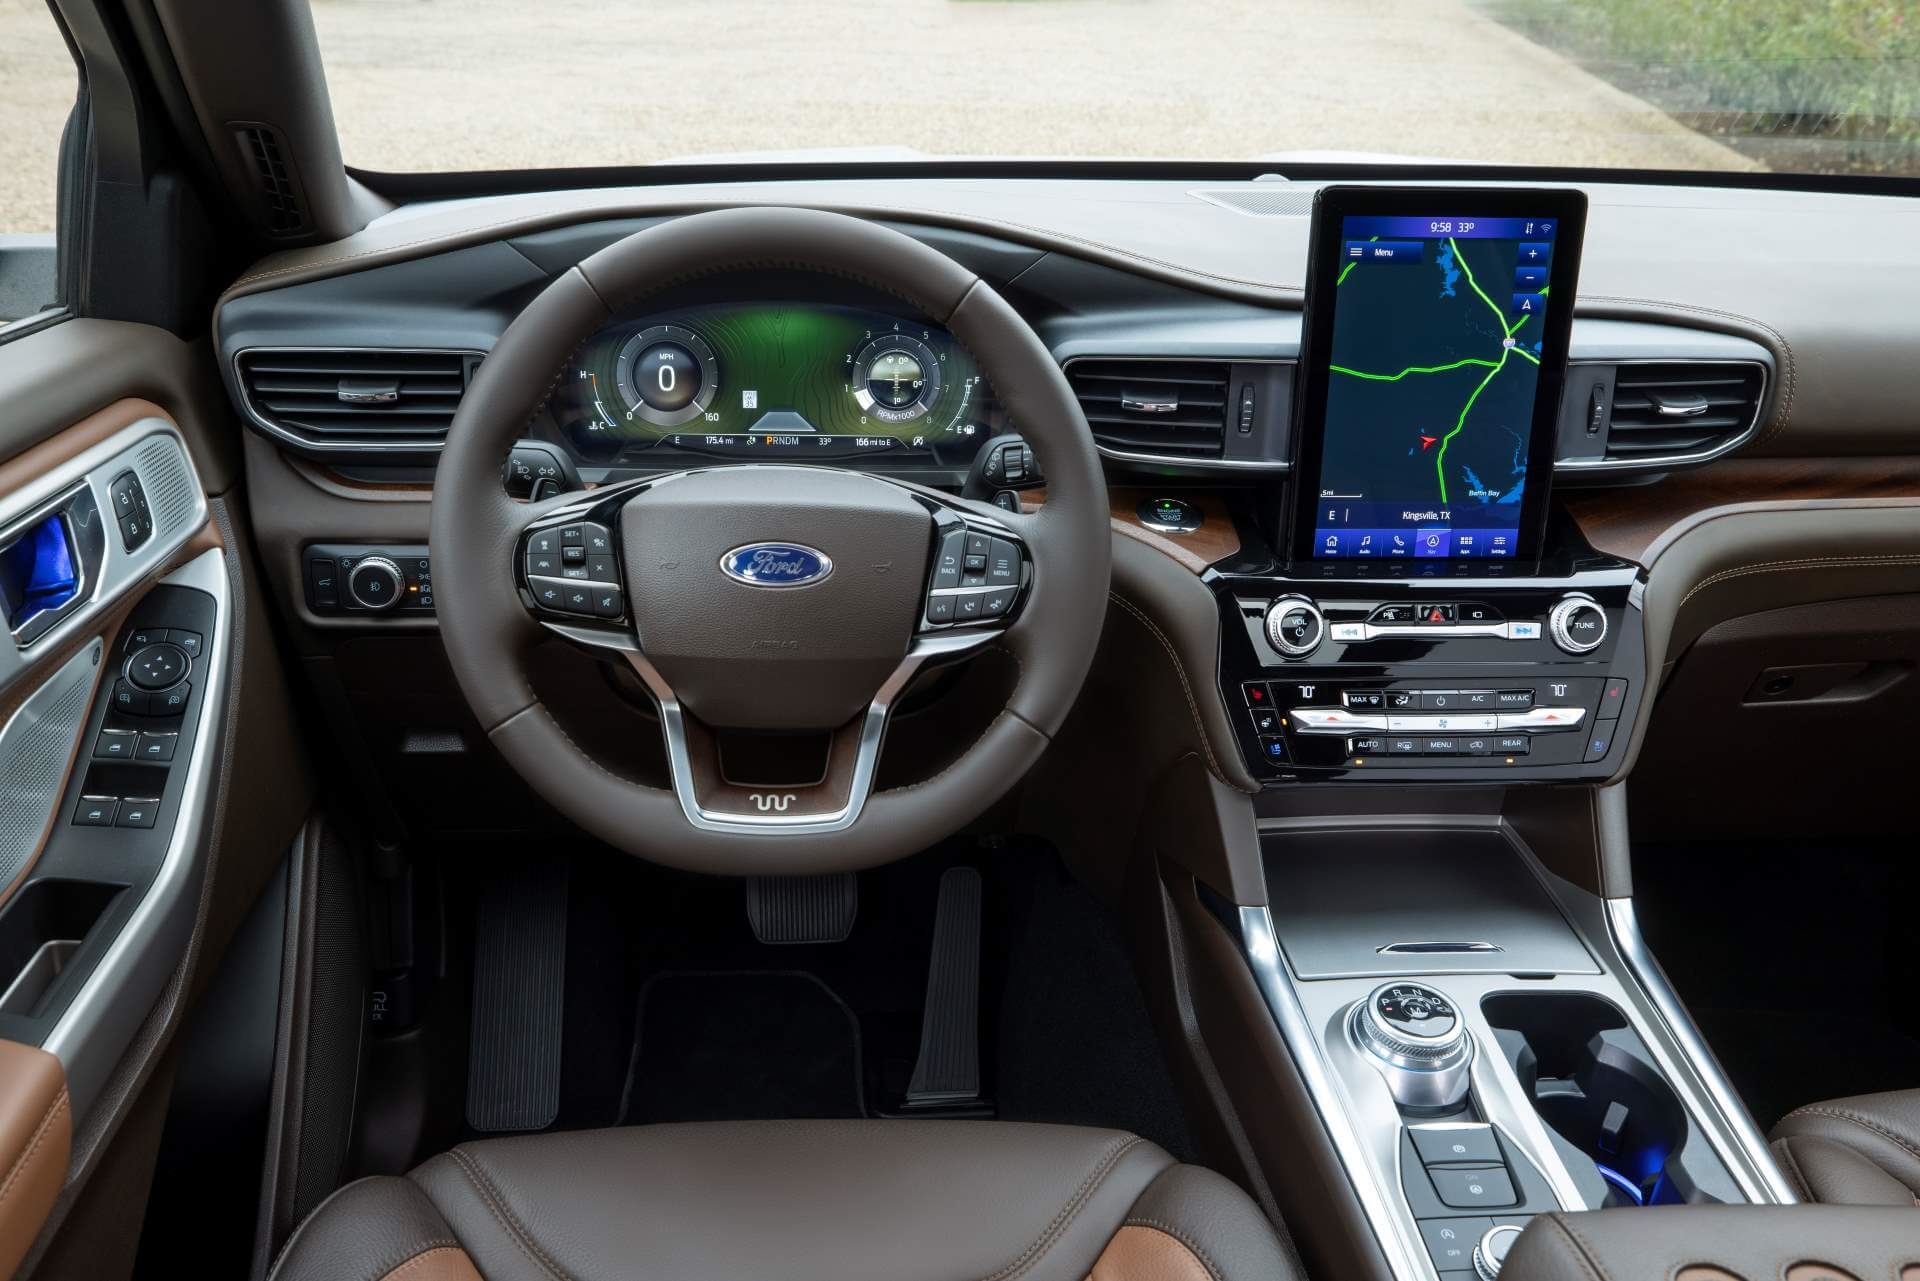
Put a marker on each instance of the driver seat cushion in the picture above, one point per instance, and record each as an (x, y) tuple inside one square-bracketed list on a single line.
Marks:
[(1863, 1150), (795, 1201)]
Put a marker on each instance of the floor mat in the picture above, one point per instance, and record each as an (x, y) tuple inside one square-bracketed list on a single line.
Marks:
[(742, 1045)]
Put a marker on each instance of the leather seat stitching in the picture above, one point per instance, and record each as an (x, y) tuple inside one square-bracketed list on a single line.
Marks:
[(1772, 566), (1866, 1123), (39, 1136), (1071, 1210), (1190, 1246), (1581, 1251), (393, 1273), (1186, 688), (505, 1217), (1783, 1150)]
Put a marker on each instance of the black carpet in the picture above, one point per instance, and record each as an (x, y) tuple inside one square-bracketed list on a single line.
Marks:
[(742, 1045)]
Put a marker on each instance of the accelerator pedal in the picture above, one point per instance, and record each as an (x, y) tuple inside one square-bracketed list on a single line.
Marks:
[(947, 1075), (519, 994), (803, 909)]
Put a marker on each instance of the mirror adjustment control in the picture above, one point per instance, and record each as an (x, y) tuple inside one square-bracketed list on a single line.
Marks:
[(1577, 624), (1295, 625), (376, 583)]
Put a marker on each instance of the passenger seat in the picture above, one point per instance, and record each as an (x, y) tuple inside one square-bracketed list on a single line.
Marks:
[(1863, 1150)]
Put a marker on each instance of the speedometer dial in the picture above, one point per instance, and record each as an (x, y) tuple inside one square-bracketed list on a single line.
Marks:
[(667, 375), (896, 379)]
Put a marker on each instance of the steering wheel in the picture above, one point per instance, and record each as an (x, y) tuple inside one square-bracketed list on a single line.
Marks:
[(768, 598)]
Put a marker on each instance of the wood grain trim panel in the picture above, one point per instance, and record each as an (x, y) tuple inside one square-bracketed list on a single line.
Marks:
[(1215, 540), (1626, 522)]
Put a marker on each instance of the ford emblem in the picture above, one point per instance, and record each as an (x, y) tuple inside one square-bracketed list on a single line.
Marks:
[(776, 565)]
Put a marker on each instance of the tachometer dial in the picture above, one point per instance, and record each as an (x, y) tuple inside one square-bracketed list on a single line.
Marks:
[(667, 375), (896, 379)]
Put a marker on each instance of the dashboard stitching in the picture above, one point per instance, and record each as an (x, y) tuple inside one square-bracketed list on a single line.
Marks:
[(1186, 687), (1774, 566), (1790, 377)]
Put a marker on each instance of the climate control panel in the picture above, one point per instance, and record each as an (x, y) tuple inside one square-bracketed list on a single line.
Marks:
[(1417, 680)]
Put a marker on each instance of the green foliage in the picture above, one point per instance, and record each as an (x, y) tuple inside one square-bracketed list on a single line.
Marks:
[(1844, 72)]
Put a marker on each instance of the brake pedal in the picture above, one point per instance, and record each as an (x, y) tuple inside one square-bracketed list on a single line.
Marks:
[(947, 1073)]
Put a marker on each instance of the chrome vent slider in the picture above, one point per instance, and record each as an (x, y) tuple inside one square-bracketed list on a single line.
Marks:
[(354, 400)]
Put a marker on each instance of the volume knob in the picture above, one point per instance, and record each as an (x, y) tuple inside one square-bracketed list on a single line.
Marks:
[(1295, 625), (376, 583)]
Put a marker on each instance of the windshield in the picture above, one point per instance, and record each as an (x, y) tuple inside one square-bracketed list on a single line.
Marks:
[(1796, 85)]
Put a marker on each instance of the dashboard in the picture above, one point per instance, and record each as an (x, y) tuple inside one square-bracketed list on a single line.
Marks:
[(786, 380)]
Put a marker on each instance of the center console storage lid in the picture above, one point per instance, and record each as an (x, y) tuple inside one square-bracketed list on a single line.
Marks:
[(1358, 903), (1721, 1243)]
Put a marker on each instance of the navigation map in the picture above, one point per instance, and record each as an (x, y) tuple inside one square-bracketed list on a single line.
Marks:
[(1435, 365)]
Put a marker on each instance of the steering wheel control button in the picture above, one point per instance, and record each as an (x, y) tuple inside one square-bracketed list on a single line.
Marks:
[(575, 535), (549, 594), (995, 604), (608, 601), (543, 564), (574, 555), (940, 609), (1482, 1189), (1003, 563), (157, 666), (543, 542), (1577, 624), (1295, 626), (946, 567), (1456, 1145), (375, 583), (599, 539)]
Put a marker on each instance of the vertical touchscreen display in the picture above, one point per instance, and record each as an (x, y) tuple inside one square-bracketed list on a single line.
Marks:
[(1441, 348)]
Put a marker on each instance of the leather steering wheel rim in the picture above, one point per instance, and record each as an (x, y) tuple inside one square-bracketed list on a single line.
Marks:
[(489, 633)]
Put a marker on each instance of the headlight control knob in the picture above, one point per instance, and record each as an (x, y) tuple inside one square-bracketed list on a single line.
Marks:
[(376, 583), (1418, 1040), (1295, 626), (1577, 624)]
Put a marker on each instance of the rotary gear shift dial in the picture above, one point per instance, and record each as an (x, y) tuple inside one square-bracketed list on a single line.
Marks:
[(1419, 1042)]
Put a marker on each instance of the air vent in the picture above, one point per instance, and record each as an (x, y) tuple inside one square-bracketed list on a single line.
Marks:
[(1169, 408), (281, 208), (356, 399), (1678, 410)]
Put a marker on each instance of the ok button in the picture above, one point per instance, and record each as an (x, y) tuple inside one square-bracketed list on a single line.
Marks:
[(160, 666)]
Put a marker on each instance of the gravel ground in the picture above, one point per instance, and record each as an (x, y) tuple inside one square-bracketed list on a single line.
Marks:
[(469, 84)]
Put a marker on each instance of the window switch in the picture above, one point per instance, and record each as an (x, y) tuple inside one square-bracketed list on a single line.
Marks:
[(115, 745), (95, 811), (156, 747), (138, 811)]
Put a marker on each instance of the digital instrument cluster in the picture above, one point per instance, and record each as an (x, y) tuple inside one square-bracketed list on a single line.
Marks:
[(776, 380)]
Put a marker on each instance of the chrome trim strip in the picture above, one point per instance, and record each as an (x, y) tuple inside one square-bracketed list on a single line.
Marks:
[(92, 1035), (1406, 1255), (1655, 462), (95, 468), (1624, 927), (424, 445)]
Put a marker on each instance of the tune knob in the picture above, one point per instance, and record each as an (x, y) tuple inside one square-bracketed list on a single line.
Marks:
[(376, 583), (1577, 624), (1419, 1042), (1295, 625), (1491, 1253)]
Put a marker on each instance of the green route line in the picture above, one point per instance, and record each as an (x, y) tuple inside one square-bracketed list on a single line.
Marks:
[(1461, 259), (1417, 369), (1350, 266), (1440, 458), (1522, 351)]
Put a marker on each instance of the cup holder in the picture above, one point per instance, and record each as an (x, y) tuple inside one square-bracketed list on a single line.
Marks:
[(1594, 1083)]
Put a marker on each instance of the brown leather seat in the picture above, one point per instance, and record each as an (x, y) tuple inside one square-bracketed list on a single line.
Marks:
[(1863, 1150), (795, 1201)]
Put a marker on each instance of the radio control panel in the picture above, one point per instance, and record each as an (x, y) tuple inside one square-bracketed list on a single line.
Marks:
[(1533, 680)]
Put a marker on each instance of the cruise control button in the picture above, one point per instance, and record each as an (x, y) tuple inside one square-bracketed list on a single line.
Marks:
[(573, 534), (577, 573), (542, 565), (1003, 564), (940, 609), (573, 555), (544, 543), (602, 569)]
